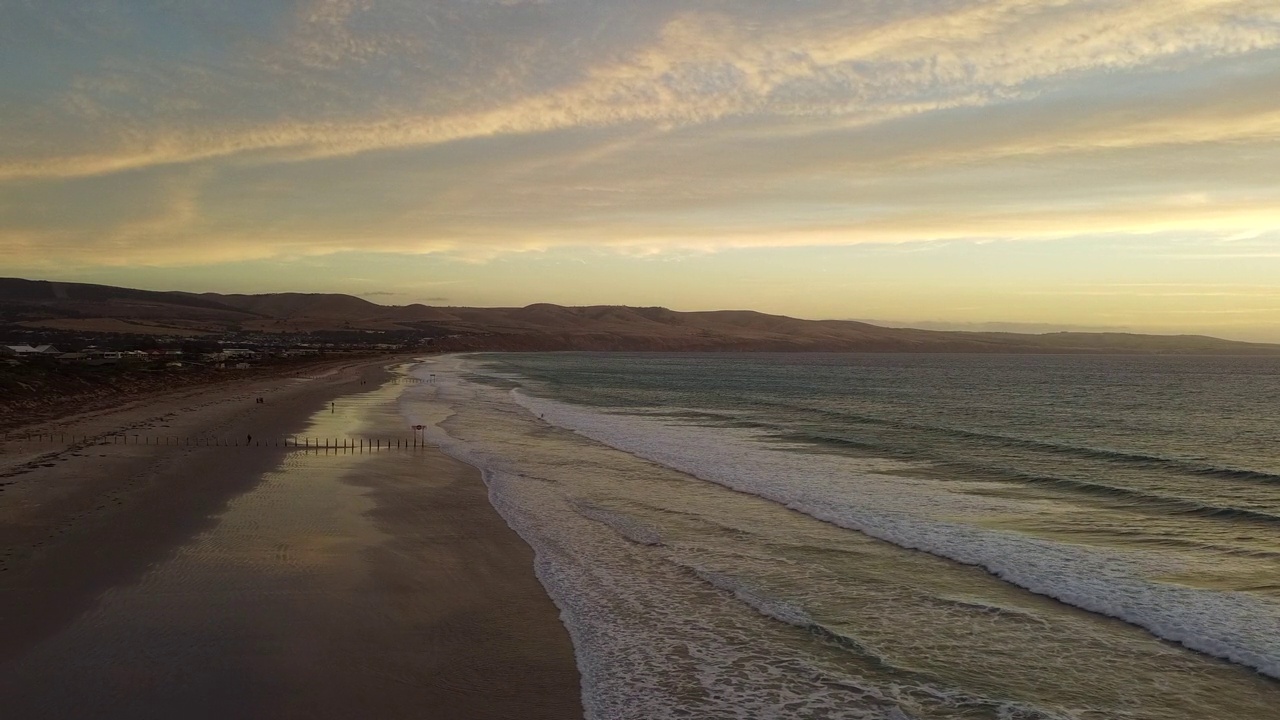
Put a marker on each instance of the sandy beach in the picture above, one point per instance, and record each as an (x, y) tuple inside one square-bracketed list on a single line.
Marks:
[(141, 581)]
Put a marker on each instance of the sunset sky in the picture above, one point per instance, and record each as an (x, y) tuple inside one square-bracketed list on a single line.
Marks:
[(1040, 164)]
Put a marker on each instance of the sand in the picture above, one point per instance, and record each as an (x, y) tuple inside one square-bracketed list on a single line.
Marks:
[(141, 581)]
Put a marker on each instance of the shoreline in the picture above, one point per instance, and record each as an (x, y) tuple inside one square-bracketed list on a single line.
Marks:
[(61, 507), (85, 525)]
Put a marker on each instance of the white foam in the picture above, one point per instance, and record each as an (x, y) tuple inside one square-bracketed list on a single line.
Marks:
[(923, 515), (636, 532), (643, 627), (783, 611)]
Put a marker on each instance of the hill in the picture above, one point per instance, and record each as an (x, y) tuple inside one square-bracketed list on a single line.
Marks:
[(542, 326), (105, 308)]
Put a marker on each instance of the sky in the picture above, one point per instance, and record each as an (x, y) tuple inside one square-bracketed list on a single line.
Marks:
[(1014, 164)]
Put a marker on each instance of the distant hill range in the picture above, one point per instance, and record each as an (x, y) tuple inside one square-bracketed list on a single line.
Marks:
[(103, 308)]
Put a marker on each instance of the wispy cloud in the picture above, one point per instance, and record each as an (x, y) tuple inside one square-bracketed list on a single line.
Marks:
[(842, 64)]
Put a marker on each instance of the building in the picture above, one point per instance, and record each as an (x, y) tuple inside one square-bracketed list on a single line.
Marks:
[(19, 350), (29, 351), (102, 357)]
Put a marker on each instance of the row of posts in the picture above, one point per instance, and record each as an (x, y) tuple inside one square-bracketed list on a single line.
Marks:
[(305, 443)]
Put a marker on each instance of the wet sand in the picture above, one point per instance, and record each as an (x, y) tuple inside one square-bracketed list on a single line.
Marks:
[(143, 582)]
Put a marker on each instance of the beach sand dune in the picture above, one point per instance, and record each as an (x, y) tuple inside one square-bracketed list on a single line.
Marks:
[(144, 581)]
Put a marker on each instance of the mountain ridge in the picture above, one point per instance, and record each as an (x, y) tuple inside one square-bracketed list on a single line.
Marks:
[(538, 326)]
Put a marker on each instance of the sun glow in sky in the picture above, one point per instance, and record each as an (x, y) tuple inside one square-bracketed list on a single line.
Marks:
[(1040, 163)]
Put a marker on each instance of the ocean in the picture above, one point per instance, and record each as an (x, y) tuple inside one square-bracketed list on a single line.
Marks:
[(890, 536)]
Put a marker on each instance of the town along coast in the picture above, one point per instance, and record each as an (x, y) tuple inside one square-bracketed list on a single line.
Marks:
[(43, 389)]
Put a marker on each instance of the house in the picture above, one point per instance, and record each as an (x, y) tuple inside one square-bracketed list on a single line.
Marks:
[(239, 353), (102, 357), (19, 350), (242, 366), (29, 351), (72, 357)]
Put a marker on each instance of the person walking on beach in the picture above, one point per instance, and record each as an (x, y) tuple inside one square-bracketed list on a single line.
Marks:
[(248, 440)]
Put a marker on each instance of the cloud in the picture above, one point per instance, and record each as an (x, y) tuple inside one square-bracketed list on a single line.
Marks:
[(843, 66), (477, 129)]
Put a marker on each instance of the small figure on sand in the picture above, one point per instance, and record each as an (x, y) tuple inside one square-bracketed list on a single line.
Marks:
[(331, 408), (248, 440)]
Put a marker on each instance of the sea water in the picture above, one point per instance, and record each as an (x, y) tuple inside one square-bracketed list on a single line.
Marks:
[(890, 536)]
